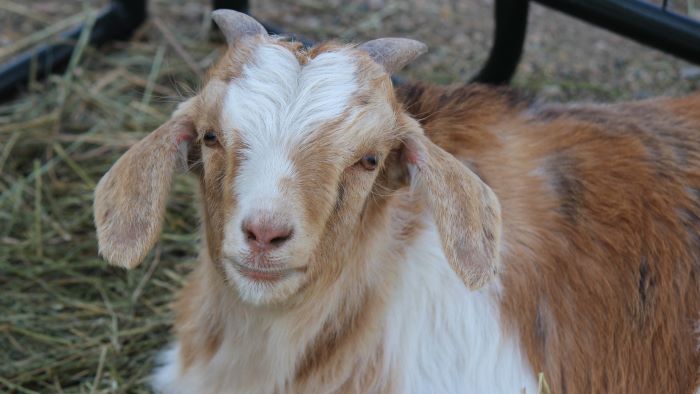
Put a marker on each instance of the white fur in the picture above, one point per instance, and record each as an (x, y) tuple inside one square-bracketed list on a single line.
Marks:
[(260, 292), (444, 338), (167, 376), (438, 337), (277, 101)]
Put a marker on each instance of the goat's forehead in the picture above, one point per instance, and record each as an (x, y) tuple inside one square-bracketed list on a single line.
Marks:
[(282, 98)]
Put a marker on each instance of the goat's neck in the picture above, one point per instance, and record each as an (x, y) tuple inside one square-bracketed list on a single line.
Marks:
[(333, 325)]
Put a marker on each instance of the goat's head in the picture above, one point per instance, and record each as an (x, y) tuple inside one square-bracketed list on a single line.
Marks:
[(295, 149)]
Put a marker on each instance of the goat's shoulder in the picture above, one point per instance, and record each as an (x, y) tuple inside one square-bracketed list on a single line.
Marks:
[(601, 215)]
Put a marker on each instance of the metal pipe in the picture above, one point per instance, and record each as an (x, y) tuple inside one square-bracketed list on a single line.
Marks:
[(640, 21), (236, 5), (509, 36), (116, 22)]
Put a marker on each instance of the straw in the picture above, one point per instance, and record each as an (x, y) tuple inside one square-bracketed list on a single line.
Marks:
[(71, 323)]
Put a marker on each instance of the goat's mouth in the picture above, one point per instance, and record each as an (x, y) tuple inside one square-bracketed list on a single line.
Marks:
[(265, 275)]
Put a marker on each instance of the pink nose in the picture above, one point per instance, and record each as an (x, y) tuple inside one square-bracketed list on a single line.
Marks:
[(264, 235)]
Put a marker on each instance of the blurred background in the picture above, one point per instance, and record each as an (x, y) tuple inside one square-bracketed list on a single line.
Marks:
[(68, 322)]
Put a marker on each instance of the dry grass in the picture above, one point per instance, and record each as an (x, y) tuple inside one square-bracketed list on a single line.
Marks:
[(70, 323)]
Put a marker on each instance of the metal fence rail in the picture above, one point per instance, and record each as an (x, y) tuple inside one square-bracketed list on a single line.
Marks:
[(116, 22), (652, 25)]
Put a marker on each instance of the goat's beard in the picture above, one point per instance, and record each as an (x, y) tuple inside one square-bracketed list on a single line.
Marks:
[(265, 292)]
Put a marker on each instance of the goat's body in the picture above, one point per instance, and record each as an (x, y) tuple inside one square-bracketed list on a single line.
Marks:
[(601, 250), (343, 224), (601, 222)]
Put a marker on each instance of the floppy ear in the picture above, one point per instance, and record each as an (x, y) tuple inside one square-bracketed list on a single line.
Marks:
[(130, 199), (466, 210)]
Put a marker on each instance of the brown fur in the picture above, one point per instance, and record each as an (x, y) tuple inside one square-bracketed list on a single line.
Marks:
[(601, 229)]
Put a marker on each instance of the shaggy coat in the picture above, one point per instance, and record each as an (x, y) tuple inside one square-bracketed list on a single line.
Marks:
[(601, 230), (436, 239)]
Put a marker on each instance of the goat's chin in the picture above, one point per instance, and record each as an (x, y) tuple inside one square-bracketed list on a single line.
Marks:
[(265, 292)]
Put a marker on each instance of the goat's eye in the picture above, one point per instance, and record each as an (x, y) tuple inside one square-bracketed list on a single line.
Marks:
[(368, 162), (210, 138)]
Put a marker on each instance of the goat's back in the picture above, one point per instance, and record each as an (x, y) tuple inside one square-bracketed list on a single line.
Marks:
[(601, 217)]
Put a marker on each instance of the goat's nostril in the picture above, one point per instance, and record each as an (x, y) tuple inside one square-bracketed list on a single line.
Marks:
[(265, 235), (280, 239), (250, 236)]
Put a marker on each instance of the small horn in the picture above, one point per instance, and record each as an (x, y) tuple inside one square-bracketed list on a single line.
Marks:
[(393, 53), (236, 25)]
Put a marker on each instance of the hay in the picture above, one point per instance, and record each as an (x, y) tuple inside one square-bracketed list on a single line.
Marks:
[(68, 322)]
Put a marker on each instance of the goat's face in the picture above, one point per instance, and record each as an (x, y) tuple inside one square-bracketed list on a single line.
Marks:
[(291, 147), (295, 150)]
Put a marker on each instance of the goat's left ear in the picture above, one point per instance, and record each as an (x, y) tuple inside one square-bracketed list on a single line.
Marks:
[(466, 210)]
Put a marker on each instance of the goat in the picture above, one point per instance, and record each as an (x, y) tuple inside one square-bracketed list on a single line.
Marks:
[(359, 237)]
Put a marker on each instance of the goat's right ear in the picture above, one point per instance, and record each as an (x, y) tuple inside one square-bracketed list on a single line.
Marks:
[(465, 209), (130, 198)]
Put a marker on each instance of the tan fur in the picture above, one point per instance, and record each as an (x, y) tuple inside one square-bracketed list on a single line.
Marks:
[(129, 219), (470, 232), (601, 225), (201, 340)]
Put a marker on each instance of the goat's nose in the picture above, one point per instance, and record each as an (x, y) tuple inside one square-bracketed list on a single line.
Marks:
[(264, 234)]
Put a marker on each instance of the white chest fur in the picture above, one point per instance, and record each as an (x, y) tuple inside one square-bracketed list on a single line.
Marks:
[(439, 337), (444, 338)]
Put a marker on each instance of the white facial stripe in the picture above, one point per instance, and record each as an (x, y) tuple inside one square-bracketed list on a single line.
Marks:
[(273, 106), (278, 101), (261, 175)]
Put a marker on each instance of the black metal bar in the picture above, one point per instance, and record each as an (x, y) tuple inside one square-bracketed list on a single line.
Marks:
[(236, 5), (509, 36), (640, 21), (116, 22)]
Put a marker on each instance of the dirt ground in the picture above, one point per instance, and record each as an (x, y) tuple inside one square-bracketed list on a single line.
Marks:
[(69, 323), (564, 58)]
